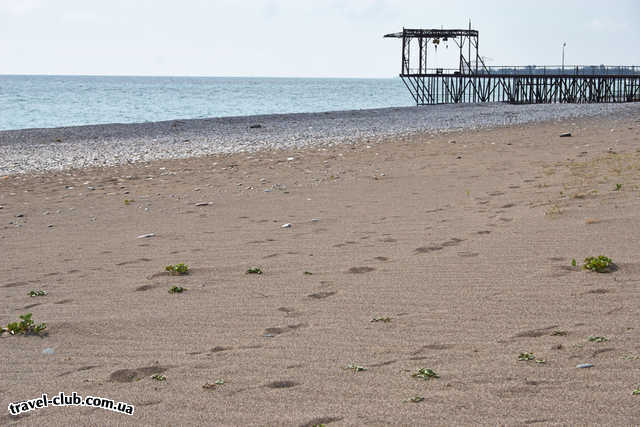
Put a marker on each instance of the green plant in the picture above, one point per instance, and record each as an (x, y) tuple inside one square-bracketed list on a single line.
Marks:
[(599, 264), (636, 392), (128, 201), (381, 319), (178, 269), (540, 361), (254, 270), (177, 290), (425, 374), (25, 327), (598, 339), (416, 399), (573, 262), (38, 293), (308, 273), (526, 356), (355, 368), (159, 377), (618, 187)]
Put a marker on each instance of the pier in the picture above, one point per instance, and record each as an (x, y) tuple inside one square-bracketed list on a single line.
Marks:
[(473, 81)]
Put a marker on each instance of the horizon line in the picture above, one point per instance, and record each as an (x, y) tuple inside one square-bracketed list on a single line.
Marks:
[(193, 76)]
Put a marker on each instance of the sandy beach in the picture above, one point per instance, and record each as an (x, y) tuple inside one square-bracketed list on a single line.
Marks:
[(459, 244)]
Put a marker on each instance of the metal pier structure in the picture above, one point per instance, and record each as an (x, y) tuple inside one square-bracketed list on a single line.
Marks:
[(474, 82)]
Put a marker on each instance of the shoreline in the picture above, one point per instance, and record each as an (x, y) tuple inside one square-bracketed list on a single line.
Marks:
[(55, 149)]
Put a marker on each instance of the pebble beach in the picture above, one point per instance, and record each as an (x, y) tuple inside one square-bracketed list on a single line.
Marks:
[(41, 150)]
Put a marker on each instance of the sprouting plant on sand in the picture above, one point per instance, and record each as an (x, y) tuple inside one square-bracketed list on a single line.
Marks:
[(526, 356), (574, 263), (425, 374), (416, 399), (308, 273), (636, 392), (598, 339), (177, 269), (618, 187), (600, 264), (37, 293), (254, 270), (381, 319), (177, 290), (159, 377), (25, 327), (355, 368), (128, 201)]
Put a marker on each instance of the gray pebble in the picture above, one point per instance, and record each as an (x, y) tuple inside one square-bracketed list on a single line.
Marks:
[(584, 365), (146, 236)]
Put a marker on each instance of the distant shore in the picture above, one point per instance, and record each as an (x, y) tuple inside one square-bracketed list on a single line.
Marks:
[(40, 150)]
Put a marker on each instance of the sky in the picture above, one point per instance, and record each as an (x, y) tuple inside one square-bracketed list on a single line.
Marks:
[(300, 38)]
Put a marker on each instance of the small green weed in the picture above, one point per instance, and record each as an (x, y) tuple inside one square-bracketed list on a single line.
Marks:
[(598, 339), (425, 374), (526, 356), (599, 264), (37, 293), (254, 270), (355, 368), (574, 263), (159, 377), (618, 187), (416, 399), (177, 290), (178, 269), (25, 327), (636, 392), (308, 273), (128, 201), (381, 319)]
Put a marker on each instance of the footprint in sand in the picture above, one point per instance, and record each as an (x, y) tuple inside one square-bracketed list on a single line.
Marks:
[(145, 288), (321, 421), (468, 254), (282, 384), (289, 312), (131, 375), (322, 295), (279, 331), (360, 270)]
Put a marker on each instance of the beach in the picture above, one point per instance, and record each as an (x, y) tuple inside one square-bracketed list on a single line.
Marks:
[(388, 241)]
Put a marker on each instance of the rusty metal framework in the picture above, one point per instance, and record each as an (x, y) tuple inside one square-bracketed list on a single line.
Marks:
[(474, 82)]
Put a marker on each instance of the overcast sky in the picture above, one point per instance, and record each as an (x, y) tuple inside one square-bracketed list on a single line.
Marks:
[(299, 38)]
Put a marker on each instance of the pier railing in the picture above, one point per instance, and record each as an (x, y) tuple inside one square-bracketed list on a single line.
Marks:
[(534, 70)]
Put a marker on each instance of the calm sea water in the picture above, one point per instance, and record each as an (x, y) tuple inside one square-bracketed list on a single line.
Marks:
[(52, 101)]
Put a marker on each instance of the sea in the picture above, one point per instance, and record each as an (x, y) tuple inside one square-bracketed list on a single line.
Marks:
[(28, 101)]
